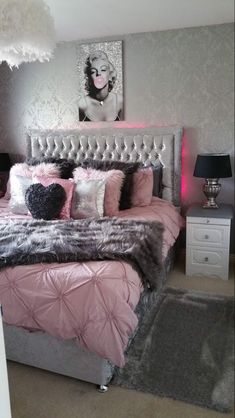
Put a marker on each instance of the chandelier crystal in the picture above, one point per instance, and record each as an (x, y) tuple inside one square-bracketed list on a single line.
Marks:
[(27, 32)]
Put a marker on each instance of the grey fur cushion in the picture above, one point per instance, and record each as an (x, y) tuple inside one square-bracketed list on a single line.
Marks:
[(45, 202), (66, 167), (157, 180)]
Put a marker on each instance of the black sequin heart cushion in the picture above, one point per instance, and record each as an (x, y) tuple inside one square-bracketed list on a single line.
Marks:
[(45, 202)]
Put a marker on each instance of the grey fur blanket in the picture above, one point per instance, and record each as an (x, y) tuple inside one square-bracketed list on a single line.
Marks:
[(36, 241)]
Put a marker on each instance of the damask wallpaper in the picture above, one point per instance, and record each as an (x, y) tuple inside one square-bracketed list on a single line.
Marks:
[(182, 77)]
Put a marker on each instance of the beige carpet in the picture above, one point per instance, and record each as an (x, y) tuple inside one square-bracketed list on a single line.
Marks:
[(39, 394)]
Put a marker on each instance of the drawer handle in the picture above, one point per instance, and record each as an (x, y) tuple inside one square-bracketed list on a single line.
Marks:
[(206, 236), (206, 259)]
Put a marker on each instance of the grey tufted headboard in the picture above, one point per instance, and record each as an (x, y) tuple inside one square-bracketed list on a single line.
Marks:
[(148, 145)]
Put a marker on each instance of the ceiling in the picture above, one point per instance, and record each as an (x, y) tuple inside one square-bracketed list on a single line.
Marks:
[(84, 19)]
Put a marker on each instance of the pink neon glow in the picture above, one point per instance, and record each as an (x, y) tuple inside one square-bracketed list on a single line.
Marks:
[(99, 125), (184, 181)]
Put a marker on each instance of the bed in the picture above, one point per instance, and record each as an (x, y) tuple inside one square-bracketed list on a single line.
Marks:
[(65, 350)]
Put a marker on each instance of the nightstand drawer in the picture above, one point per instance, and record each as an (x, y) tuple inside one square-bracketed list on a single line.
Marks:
[(208, 262), (209, 235), (208, 221)]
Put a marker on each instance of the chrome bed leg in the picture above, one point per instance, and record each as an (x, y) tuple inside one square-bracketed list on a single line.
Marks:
[(102, 388)]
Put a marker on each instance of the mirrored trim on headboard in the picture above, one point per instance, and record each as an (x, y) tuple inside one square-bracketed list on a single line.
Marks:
[(147, 145)]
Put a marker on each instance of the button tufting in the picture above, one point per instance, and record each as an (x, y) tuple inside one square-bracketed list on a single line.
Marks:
[(109, 316), (80, 333), (31, 314)]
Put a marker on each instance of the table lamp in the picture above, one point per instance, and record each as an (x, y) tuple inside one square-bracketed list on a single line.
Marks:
[(212, 167), (5, 163)]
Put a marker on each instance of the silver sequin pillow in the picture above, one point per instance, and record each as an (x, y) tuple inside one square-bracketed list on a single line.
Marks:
[(88, 199), (19, 185)]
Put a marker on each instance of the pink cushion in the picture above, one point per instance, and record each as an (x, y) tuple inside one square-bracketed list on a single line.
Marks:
[(113, 183), (142, 187), (29, 171), (21, 169), (68, 186), (42, 170), (46, 170)]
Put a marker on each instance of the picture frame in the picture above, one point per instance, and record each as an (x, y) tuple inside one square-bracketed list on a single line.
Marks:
[(100, 73)]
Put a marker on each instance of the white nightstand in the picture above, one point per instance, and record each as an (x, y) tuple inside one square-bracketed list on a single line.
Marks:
[(207, 241)]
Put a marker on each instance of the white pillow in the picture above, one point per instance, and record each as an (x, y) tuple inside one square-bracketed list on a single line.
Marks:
[(88, 199), (19, 185)]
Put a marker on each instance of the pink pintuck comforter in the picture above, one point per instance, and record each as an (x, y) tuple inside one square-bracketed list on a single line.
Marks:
[(93, 302)]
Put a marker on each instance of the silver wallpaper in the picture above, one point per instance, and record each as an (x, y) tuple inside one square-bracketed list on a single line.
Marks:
[(182, 77)]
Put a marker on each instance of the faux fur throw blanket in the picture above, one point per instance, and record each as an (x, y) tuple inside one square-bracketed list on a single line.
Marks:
[(37, 241)]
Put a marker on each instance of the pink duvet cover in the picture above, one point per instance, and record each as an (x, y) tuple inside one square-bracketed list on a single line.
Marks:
[(93, 302)]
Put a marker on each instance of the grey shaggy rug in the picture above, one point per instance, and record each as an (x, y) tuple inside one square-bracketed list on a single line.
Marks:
[(184, 350)]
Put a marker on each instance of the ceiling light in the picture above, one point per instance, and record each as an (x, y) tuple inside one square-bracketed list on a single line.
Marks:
[(27, 31)]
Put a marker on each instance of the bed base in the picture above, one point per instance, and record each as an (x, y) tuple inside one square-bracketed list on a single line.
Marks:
[(65, 357)]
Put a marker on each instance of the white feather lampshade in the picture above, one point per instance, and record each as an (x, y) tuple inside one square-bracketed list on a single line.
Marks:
[(27, 31)]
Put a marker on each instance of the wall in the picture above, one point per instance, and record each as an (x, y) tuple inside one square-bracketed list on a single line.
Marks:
[(182, 77)]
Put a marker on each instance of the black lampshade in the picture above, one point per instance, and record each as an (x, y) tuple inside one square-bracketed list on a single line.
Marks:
[(212, 166), (5, 162)]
